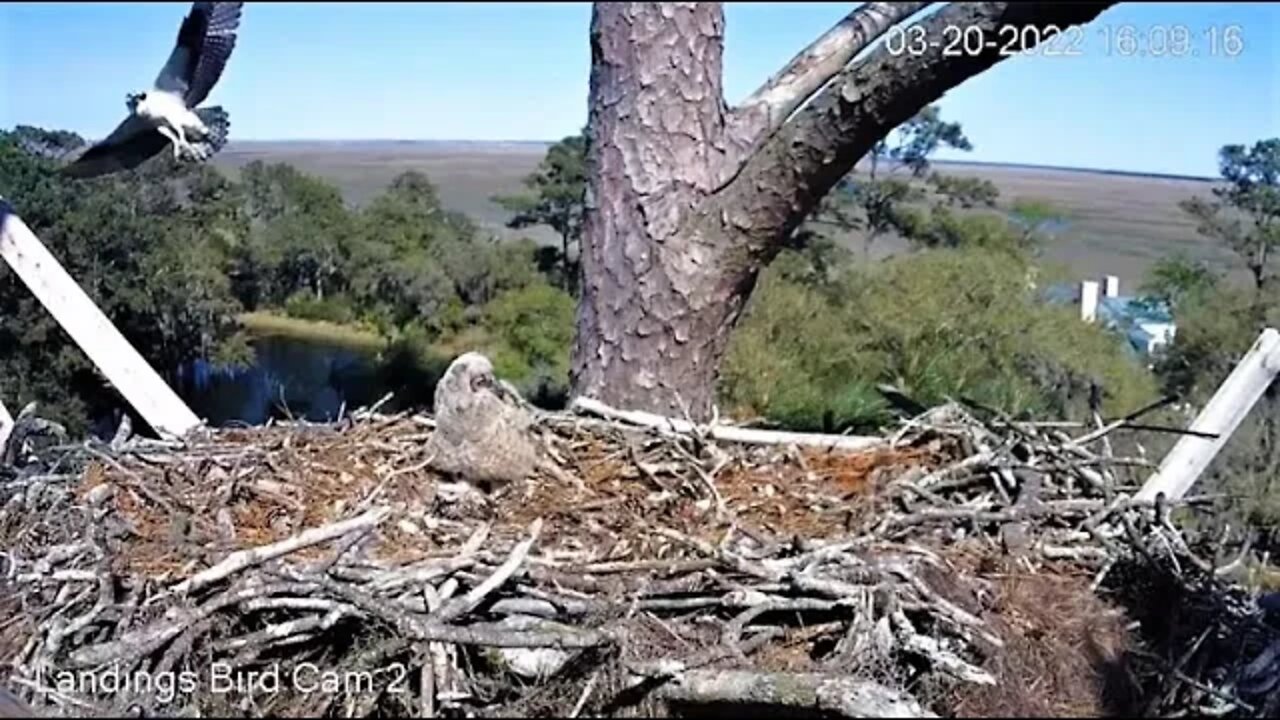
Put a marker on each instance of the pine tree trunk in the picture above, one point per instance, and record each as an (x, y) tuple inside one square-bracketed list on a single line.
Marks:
[(658, 299), (688, 200)]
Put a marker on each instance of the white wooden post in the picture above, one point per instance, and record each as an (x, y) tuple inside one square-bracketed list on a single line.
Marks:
[(122, 365), (1226, 410), (6, 425)]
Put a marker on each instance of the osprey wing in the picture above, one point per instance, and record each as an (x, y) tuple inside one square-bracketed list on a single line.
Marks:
[(205, 42), (175, 76), (219, 41), (128, 146)]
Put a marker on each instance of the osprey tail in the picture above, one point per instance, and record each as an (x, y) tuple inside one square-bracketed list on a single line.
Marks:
[(218, 122)]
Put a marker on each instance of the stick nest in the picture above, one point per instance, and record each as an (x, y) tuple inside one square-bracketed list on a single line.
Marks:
[(966, 566)]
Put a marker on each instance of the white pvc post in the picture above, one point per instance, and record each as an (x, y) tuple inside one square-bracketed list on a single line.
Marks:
[(6, 424), (1089, 300), (1111, 286), (114, 356), (1226, 410)]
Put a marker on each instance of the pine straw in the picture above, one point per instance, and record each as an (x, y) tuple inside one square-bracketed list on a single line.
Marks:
[(287, 478), (1064, 648), (884, 566)]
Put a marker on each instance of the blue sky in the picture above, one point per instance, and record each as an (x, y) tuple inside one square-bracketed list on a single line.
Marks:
[(508, 71)]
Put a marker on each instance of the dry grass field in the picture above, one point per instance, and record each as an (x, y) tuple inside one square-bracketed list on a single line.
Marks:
[(467, 174), (1119, 224)]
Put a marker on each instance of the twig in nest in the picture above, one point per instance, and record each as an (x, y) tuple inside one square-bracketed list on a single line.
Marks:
[(468, 602), (241, 559), (281, 631), (480, 634), (941, 658), (662, 669), (1121, 422), (140, 642), (985, 457), (586, 693), (946, 608), (708, 479), (428, 678), (57, 696)]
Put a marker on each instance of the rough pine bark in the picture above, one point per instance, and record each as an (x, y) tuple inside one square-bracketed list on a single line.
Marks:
[(688, 200)]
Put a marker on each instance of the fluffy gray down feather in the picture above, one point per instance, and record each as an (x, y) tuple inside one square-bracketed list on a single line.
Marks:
[(481, 436)]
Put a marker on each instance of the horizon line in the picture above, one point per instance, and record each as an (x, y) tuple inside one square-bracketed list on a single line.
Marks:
[(989, 163)]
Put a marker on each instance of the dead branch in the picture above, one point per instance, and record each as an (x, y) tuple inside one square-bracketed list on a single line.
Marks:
[(247, 558), (726, 433), (846, 697)]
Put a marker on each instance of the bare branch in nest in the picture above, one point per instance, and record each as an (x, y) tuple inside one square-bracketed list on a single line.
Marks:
[(275, 633), (843, 696), (727, 433), (479, 634), (138, 643), (468, 602), (240, 560)]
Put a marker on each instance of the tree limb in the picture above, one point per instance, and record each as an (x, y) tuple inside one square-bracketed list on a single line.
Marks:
[(761, 114), (786, 177)]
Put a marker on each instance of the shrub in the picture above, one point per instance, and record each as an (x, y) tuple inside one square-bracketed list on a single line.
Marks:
[(937, 324), (792, 353), (306, 306), (532, 329)]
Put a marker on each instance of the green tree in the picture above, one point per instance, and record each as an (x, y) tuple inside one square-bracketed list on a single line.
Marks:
[(880, 202), (1217, 323), (1245, 216), (302, 234), (942, 227), (1036, 218), (1178, 280), (875, 204), (917, 139), (965, 192), (415, 261), (556, 198), (48, 144)]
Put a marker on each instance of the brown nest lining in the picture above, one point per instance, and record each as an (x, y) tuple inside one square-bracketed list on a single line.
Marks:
[(643, 569)]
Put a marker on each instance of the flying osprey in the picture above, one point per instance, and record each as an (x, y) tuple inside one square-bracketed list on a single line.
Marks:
[(166, 114)]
